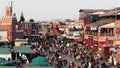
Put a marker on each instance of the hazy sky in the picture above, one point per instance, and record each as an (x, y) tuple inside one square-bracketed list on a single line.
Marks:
[(55, 9)]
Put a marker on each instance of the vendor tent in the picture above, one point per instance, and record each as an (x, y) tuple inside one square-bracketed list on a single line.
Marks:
[(42, 61), (2, 60), (10, 62), (22, 49), (4, 51)]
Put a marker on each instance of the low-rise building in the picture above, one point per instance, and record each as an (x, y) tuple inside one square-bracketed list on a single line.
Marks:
[(75, 31), (29, 28), (104, 33)]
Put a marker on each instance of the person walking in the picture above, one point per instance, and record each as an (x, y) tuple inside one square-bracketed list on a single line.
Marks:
[(89, 65)]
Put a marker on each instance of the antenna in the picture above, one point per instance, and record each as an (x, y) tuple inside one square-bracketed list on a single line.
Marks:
[(11, 3)]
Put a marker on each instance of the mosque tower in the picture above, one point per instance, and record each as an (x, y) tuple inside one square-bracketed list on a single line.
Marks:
[(8, 23), (9, 9)]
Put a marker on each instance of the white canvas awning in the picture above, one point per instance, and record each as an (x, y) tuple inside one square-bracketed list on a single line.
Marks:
[(110, 25), (6, 56), (3, 40)]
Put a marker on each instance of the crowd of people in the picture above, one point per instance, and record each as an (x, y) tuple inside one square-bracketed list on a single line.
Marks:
[(59, 50)]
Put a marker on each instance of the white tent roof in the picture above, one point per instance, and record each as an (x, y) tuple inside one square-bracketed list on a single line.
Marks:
[(110, 25)]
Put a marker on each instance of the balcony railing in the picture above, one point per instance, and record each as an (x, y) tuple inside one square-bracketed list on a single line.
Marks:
[(91, 33), (81, 29), (106, 34)]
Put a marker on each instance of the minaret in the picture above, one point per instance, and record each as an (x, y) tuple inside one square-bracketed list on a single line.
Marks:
[(22, 19), (9, 9)]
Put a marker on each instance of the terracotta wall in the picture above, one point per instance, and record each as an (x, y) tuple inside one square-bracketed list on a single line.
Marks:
[(9, 24), (8, 29), (6, 19)]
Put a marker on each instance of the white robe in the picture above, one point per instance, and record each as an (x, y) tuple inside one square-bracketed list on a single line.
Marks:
[(89, 65), (115, 62), (110, 59)]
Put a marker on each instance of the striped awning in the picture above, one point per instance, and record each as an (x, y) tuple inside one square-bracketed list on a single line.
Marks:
[(91, 25), (100, 22), (110, 13), (110, 25)]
